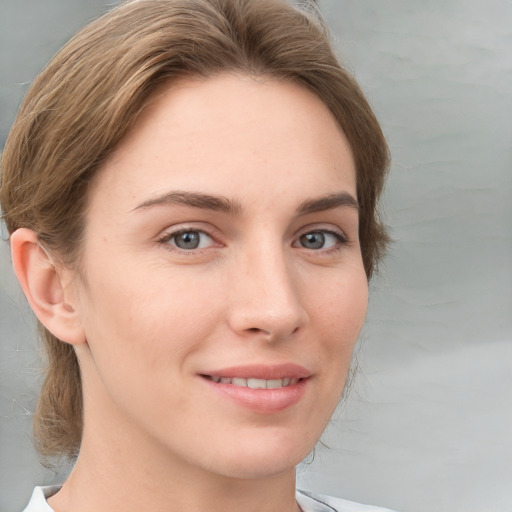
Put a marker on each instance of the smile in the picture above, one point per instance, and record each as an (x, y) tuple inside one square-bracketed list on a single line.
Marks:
[(254, 383), (261, 388)]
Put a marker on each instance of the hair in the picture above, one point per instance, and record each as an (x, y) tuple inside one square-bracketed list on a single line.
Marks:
[(90, 95)]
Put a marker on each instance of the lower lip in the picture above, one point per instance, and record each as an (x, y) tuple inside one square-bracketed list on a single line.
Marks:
[(262, 401)]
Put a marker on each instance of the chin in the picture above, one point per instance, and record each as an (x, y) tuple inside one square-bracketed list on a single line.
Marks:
[(257, 468), (261, 458)]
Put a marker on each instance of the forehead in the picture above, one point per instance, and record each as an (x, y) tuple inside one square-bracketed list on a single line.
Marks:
[(231, 135)]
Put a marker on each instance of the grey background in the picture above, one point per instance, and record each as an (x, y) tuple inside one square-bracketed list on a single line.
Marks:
[(428, 424)]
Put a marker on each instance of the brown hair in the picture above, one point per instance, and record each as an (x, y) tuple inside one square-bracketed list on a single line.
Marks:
[(91, 93)]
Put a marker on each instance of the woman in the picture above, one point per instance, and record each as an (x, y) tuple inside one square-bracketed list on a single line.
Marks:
[(191, 191)]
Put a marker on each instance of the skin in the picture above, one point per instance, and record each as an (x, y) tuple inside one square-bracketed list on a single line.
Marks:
[(147, 318)]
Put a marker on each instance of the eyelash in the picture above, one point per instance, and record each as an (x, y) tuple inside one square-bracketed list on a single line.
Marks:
[(340, 238), (164, 240)]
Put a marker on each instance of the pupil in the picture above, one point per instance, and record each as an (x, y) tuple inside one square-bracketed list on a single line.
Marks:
[(313, 240), (188, 241)]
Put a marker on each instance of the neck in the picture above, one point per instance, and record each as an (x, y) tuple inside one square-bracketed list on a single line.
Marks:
[(122, 470), (128, 486)]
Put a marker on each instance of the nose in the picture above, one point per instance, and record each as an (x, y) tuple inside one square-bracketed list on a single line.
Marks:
[(265, 297)]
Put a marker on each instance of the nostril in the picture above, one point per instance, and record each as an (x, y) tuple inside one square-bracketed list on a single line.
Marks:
[(258, 330)]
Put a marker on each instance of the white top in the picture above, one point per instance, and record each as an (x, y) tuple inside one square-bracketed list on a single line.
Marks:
[(307, 501)]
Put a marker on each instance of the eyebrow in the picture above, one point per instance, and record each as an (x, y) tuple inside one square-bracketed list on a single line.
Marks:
[(328, 203), (195, 200), (233, 207)]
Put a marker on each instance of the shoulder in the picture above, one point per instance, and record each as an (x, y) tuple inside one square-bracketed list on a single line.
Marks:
[(311, 502), (38, 501)]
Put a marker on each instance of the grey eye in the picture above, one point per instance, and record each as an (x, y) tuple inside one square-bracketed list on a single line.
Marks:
[(313, 240), (190, 240)]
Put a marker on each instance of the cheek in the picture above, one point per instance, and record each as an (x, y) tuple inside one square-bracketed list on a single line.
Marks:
[(141, 333), (340, 313), (341, 309), (151, 315), (337, 316)]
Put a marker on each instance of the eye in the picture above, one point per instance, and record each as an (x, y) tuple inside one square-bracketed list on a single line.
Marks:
[(188, 240), (321, 239)]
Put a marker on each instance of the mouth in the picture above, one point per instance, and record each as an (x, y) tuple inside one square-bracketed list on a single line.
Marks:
[(262, 389), (254, 382)]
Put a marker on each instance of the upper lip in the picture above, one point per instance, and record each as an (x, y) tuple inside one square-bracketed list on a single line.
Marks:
[(262, 371)]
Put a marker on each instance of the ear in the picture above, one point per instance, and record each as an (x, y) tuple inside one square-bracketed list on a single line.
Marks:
[(45, 287)]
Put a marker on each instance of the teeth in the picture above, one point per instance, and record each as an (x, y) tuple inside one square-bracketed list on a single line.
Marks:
[(274, 384), (254, 383)]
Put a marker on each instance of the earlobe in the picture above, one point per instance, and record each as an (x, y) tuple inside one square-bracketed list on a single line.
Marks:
[(44, 288)]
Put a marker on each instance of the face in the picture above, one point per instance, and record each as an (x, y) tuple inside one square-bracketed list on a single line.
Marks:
[(222, 287)]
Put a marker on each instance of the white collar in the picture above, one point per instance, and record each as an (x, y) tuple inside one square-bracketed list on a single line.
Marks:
[(308, 502)]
